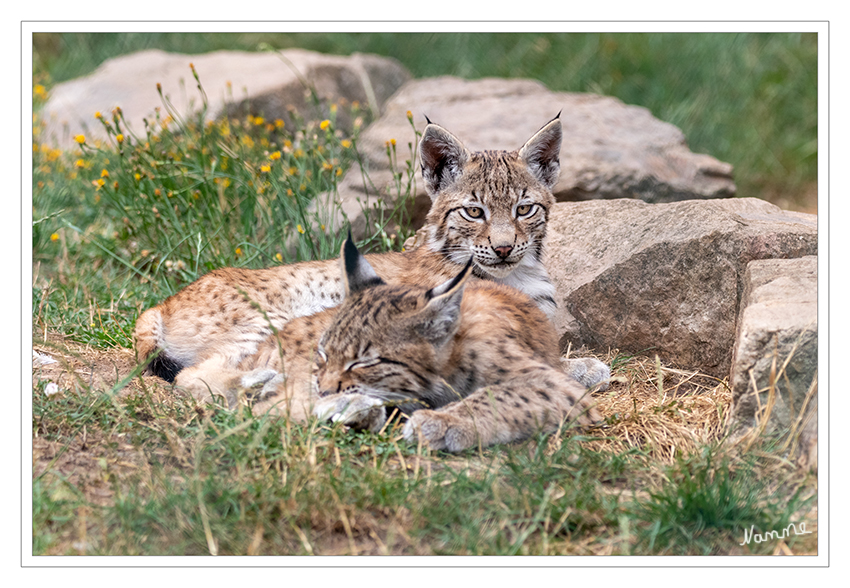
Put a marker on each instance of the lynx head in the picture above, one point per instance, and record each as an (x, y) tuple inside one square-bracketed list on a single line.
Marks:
[(387, 341), (490, 205)]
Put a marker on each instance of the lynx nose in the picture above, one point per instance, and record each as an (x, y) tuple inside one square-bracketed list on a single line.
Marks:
[(503, 251)]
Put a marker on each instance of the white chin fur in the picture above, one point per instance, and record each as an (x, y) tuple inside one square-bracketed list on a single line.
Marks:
[(499, 272)]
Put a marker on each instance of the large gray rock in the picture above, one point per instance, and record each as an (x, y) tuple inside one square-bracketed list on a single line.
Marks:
[(610, 150), (265, 84), (778, 332), (664, 278)]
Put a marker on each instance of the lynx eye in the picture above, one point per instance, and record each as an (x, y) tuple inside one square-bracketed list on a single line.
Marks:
[(474, 211), (524, 209)]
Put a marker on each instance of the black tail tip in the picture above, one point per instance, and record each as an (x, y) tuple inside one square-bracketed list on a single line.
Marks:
[(164, 367)]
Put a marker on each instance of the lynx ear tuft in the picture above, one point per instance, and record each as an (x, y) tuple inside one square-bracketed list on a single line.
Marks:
[(442, 157), (356, 271), (438, 322), (456, 282), (542, 153)]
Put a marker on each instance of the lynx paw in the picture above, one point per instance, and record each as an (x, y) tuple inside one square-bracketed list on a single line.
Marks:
[(256, 378), (353, 410), (439, 430), (588, 371)]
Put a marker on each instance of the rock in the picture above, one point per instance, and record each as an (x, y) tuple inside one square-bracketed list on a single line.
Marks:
[(264, 84), (664, 278), (778, 331), (610, 150)]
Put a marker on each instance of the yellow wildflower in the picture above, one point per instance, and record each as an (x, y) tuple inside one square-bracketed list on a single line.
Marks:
[(300, 229), (409, 116), (258, 120), (119, 137), (289, 192), (278, 123), (98, 115), (265, 169), (327, 166), (104, 174), (238, 251), (275, 155), (345, 143), (80, 139), (39, 91), (80, 163), (278, 256), (54, 236), (324, 124), (157, 192), (137, 176)]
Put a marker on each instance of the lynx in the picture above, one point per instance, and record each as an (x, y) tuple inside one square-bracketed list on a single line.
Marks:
[(471, 363), (492, 206)]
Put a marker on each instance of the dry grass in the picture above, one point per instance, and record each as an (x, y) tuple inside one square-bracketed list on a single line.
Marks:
[(660, 409), (654, 415)]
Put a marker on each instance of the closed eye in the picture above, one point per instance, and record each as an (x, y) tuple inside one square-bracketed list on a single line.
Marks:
[(362, 363)]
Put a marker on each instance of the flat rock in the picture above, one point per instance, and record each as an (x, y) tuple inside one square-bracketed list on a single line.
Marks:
[(266, 84), (610, 149), (778, 332), (664, 278)]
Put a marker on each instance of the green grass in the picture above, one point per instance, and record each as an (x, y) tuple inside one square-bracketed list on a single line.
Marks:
[(746, 98), (120, 226), (224, 481)]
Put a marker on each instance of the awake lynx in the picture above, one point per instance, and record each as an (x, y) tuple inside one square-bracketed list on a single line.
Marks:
[(471, 363), (491, 206)]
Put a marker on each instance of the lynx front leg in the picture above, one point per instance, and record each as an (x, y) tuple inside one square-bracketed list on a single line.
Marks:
[(504, 413)]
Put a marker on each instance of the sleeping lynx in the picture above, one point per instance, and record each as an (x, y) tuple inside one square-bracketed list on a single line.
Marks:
[(491, 205), (472, 363)]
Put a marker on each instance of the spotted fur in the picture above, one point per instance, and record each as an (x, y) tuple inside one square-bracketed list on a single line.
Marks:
[(212, 325), (471, 363)]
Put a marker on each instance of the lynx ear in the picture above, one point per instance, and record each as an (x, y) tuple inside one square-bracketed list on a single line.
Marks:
[(542, 152), (442, 157), (439, 320), (356, 271)]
